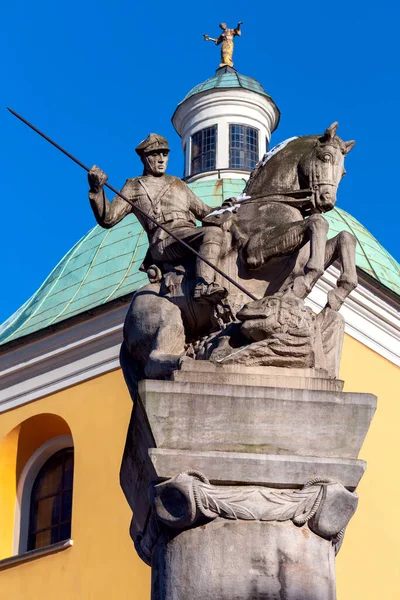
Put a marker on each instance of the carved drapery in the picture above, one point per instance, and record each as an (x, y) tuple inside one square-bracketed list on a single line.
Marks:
[(188, 500)]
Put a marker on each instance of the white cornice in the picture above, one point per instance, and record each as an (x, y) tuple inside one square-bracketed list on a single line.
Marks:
[(219, 105), (224, 101), (221, 108), (61, 359), (220, 174), (90, 348), (369, 318)]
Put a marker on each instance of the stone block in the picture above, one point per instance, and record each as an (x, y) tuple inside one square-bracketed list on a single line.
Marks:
[(279, 437), (236, 374), (255, 419), (229, 468)]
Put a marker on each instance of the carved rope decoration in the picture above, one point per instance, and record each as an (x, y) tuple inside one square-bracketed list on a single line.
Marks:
[(189, 498)]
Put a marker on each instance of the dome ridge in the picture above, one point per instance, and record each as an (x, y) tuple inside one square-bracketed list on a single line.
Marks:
[(225, 78)]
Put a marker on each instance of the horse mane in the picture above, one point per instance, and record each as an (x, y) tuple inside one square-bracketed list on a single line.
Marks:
[(280, 173)]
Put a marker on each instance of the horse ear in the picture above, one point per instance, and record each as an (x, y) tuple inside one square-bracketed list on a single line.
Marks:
[(349, 146), (330, 132)]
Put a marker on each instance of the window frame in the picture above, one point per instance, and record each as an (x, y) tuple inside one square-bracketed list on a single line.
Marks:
[(25, 485), (61, 458), (184, 158), (203, 153), (244, 149)]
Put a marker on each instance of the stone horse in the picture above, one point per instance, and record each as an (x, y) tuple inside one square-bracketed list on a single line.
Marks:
[(275, 242)]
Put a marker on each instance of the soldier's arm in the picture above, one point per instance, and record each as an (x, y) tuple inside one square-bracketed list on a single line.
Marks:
[(106, 213)]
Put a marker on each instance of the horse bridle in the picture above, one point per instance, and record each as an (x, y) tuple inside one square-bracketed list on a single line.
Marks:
[(307, 195), (316, 183)]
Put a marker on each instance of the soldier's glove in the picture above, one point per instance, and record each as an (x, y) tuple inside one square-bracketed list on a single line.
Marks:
[(96, 178)]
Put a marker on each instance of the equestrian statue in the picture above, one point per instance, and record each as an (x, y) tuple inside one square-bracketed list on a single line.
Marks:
[(240, 299)]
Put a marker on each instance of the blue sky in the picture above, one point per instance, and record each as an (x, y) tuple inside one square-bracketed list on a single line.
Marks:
[(99, 76)]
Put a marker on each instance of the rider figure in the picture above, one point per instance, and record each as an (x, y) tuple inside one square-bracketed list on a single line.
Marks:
[(170, 202)]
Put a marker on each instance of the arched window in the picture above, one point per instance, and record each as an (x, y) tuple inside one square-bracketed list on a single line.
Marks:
[(51, 501), (243, 147)]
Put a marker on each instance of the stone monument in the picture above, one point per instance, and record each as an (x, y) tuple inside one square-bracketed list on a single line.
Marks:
[(241, 459)]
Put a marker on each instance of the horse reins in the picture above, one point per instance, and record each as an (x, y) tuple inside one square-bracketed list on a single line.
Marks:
[(310, 193), (314, 182)]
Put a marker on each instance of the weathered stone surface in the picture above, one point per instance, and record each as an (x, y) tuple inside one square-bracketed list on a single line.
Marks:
[(328, 348), (241, 434), (278, 447), (186, 565), (227, 560), (263, 469), (225, 468), (244, 370), (137, 471), (280, 331), (189, 499), (222, 417), (277, 222), (236, 374)]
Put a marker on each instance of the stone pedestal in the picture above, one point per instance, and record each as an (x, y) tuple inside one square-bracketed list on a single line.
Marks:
[(241, 560), (270, 463)]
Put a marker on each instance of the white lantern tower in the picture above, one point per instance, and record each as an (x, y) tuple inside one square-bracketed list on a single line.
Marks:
[(225, 124)]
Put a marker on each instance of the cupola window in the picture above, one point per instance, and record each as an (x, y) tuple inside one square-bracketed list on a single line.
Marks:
[(204, 146), (51, 501), (243, 147)]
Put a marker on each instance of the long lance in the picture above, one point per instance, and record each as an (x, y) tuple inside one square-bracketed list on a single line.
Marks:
[(139, 210)]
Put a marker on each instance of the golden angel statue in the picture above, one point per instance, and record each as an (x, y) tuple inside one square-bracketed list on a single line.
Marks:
[(226, 41)]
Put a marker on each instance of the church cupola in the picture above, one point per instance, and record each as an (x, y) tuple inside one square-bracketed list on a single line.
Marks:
[(225, 124)]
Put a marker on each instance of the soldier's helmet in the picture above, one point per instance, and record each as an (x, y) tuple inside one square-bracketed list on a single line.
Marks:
[(152, 143)]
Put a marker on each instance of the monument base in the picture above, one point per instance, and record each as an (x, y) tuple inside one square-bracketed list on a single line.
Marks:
[(241, 480)]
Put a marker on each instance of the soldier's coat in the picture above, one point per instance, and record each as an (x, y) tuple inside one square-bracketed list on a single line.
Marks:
[(166, 198)]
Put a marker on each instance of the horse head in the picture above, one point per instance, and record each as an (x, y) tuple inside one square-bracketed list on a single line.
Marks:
[(322, 168)]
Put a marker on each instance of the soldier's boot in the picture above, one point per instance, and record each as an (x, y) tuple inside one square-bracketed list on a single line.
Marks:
[(206, 288)]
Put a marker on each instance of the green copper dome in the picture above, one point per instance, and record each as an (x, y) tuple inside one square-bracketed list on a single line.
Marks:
[(228, 78), (104, 265)]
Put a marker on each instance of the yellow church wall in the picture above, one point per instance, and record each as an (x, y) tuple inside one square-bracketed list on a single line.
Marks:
[(8, 486), (368, 564), (33, 432), (102, 563)]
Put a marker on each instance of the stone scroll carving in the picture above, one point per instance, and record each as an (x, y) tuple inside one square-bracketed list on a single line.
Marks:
[(189, 500)]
